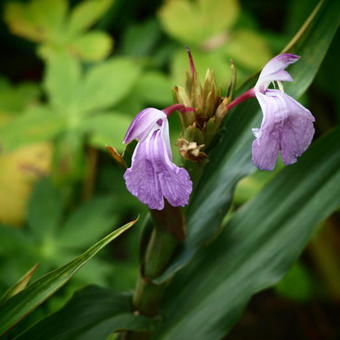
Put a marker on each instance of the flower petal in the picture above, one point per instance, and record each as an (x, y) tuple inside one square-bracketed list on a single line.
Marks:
[(175, 181), (144, 123), (153, 177), (274, 70), (297, 131), (265, 149), (141, 178), (266, 146), (287, 127)]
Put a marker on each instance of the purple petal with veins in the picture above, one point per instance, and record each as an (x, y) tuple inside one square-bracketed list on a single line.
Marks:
[(152, 176), (144, 123), (274, 70), (287, 127)]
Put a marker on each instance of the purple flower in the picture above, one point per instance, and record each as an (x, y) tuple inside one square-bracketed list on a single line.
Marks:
[(287, 126), (153, 176)]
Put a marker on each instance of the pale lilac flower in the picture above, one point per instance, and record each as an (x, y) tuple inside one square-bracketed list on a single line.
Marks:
[(153, 176), (287, 126)]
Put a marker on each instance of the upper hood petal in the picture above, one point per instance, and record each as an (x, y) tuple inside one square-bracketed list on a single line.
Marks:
[(144, 123), (274, 70)]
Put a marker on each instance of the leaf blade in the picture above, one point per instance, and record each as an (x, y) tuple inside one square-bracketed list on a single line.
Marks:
[(23, 303), (95, 313)]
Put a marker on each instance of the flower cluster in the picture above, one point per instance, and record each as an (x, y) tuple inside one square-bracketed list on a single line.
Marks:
[(286, 128)]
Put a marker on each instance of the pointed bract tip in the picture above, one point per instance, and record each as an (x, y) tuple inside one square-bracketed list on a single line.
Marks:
[(191, 60)]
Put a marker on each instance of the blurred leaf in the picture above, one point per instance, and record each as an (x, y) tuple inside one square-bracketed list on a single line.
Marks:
[(85, 14), (23, 303), (18, 171), (193, 22), (45, 209), (297, 284), (12, 239), (62, 80), (14, 99), (131, 104), (140, 38), (21, 22), (247, 48), (251, 185), (18, 286), (95, 313), (87, 223), (258, 245), (48, 16), (92, 46), (69, 158), (230, 160), (107, 83), (154, 88), (49, 23), (37, 20), (106, 129), (37, 124)]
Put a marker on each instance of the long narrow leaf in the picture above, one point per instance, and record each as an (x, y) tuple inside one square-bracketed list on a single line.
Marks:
[(95, 313), (23, 303)]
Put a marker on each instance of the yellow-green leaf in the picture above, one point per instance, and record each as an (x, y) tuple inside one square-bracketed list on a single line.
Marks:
[(38, 20), (107, 83), (194, 22), (92, 46), (62, 79), (86, 14), (20, 22), (248, 49)]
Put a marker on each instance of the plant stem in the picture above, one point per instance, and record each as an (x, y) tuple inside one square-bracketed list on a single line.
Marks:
[(167, 234), (158, 254), (244, 96)]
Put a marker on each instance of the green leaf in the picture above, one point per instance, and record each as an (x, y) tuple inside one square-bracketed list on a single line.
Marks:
[(48, 15), (37, 124), (139, 39), (62, 80), (106, 128), (258, 245), (14, 99), (18, 286), (92, 46), (196, 21), (87, 223), (23, 303), (248, 48), (38, 20), (107, 83), (12, 239), (45, 209), (230, 160), (154, 88), (95, 313), (297, 284), (86, 14)]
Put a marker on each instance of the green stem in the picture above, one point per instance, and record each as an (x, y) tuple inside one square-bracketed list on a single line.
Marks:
[(167, 234), (159, 252)]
